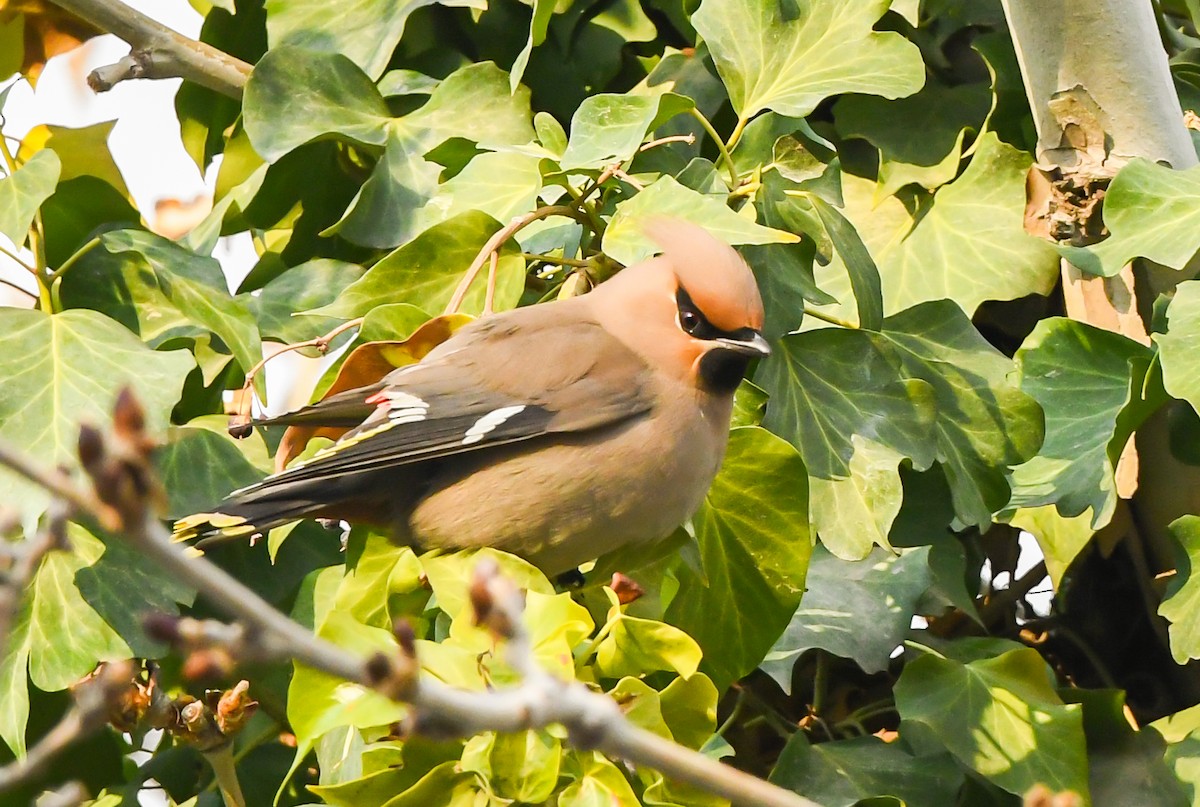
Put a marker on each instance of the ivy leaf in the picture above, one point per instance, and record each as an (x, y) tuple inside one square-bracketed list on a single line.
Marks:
[(23, 191), (201, 464), (310, 285), (999, 717), (985, 424), (974, 234), (189, 282), (1177, 347), (844, 772), (827, 386), (366, 31), (539, 22), (501, 184), (599, 783), (1181, 603), (860, 610), (856, 512), (624, 240), (1151, 211), (1061, 539), (609, 127), (59, 370), (634, 646), (1089, 383), (863, 274), (392, 206), (294, 96), (754, 546), (791, 65), (1125, 765), (425, 271), (920, 137)]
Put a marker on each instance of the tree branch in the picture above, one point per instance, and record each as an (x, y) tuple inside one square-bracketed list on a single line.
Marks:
[(157, 51), (119, 466)]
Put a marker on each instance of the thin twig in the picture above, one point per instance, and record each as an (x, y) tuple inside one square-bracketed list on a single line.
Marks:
[(88, 715), (321, 343), (17, 259), (497, 240), (620, 174), (15, 287), (490, 297), (157, 51)]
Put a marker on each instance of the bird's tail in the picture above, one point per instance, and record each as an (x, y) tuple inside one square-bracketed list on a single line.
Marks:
[(254, 510)]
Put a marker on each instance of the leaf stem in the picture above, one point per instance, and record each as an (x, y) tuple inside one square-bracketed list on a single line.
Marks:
[(832, 320), (736, 134), (721, 147), (225, 776), (18, 260), (69, 262)]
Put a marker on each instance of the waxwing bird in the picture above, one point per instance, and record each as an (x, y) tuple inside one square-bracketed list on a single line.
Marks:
[(557, 432)]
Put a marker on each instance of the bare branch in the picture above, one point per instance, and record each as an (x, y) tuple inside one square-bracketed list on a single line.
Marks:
[(87, 716), (593, 720), (157, 51)]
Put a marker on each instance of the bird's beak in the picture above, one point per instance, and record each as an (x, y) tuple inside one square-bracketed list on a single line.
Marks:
[(753, 346)]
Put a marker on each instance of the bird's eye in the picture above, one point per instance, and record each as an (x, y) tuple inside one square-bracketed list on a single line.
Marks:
[(689, 320)]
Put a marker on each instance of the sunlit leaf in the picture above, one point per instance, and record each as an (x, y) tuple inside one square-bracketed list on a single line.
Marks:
[(791, 64), (22, 193)]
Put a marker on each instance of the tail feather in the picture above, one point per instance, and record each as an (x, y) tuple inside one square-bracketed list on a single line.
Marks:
[(278, 500)]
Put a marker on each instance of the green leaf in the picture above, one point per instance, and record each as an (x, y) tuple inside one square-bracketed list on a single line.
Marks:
[(864, 276), (525, 765), (58, 658), (310, 285), (1151, 211), (624, 240), (1060, 539), (1089, 382), (294, 96), (425, 271), (969, 246), (824, 47), (860, 610), (856, 512), (58, 371), (384, 212), (189, 282), (201, 464), (1126, 767), (318, 702), (539, 22), (974, 238), (919, 138), (1000, 717), (1177, 347), (826, 387), (609, 127), (22, 193), (398, 200), (754, 546), (985, 424), (366, 31), (1182, 731), (841, 773), (600, 784), (501, 184), (1181, 602), (444, 785), (634, 646)]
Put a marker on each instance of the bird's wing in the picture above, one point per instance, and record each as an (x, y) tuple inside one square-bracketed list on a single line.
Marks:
[(501, 381)]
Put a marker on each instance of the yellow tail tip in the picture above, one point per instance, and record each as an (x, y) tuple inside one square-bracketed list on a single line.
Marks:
[(211, 524)]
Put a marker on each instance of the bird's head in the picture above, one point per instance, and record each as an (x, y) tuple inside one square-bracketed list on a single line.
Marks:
[(694, 310)]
